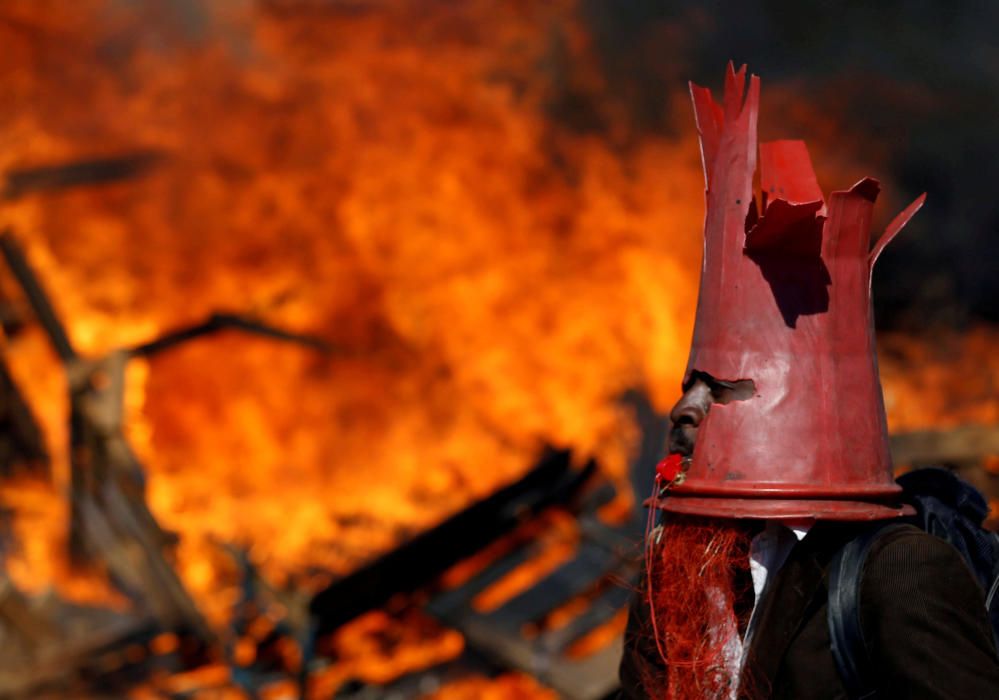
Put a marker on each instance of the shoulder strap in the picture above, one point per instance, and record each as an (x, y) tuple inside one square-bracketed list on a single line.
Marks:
[(846, 635), (992, 594)]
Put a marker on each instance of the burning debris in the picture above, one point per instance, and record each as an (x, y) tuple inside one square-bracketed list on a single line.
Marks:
[(22, 447), (271, 633), (472, 253), (274, 636), (110, 527), (445, 381), (95, 171)]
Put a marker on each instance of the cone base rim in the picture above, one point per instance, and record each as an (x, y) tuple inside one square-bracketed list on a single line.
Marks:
[(887, 491), (780, 509)]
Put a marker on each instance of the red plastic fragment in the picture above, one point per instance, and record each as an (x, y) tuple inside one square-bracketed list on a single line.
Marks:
[(787, 226), (896, 225), (709, 117), (786, 172), (669, 468)]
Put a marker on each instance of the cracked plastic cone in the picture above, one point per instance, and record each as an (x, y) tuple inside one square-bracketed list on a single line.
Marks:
[(785, 302)]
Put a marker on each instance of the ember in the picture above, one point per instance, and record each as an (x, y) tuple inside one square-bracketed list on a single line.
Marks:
[(485, 278)]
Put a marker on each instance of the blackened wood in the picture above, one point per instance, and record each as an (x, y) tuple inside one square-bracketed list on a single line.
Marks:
[(93, 171), (589, 564), (110, 521), (606, 605), (22, 448), (446, 604), (17, 613), (429, 554), (220, 321), (14, 313), (37, 297), (965, 443), (588, 678), (604, 567), (115, 535), (49, 643)]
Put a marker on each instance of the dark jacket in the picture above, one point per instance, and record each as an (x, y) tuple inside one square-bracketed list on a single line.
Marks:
[(922, 612)]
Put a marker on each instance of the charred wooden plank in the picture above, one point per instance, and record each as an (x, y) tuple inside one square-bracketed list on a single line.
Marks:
[(110, 522), (590, 563), (37, 297), (114, 533), (446, 604), (602, 570), (608, 604), (22, 448), (89, 171), (965, 443), (222, 321), (498, 634), (16, 612), (589, 678), (46, 314), (429, 554), (48, 643)]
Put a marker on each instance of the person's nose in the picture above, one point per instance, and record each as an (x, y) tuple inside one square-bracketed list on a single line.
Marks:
[(693, 406)]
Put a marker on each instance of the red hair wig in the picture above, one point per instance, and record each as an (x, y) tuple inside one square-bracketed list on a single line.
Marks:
[(697, 573)]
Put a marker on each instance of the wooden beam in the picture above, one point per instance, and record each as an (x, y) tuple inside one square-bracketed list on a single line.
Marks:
[(22, 448), (89, 171), (37, 296), (948, 446), (426, 556)]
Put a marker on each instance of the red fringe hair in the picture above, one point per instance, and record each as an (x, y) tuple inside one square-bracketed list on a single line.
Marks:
[(697, 568)]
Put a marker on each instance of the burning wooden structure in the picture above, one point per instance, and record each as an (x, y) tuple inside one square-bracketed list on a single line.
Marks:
[(56, 645), (472, 254)]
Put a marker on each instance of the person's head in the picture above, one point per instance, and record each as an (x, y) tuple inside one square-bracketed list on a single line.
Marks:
[(781, 415), (783, 334), (700, 392)]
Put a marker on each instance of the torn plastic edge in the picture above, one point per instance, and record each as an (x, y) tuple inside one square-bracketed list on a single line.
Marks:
[(852, 238), (709, 119), (784, 162), (712, 119), (745, 126), (735, 86), (780, 218), (869, 188), (895, 227)]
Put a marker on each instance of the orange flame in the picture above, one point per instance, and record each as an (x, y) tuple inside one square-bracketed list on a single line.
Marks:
[(379, 175), (489, 281)]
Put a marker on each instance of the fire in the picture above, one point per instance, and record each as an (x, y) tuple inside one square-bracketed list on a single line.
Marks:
[(945, 381), (507, 687), (487, 281), (387, 178)]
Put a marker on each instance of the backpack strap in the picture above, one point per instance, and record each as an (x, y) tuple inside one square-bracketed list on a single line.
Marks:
[(846, 635), (992, 594)]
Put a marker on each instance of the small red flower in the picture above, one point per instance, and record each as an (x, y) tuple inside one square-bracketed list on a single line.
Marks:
[(669, 468)]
